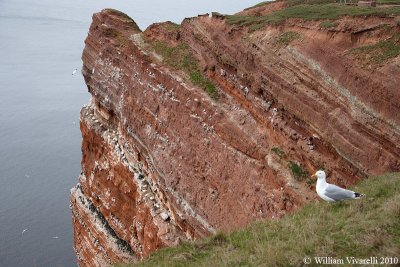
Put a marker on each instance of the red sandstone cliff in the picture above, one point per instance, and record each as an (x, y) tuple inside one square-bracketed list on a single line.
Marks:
[(162, 161)]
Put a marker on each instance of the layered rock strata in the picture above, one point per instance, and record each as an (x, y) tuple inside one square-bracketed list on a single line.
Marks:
[(163, 162)]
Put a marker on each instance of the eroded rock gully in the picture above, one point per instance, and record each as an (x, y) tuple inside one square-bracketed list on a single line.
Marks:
[(163, 162)]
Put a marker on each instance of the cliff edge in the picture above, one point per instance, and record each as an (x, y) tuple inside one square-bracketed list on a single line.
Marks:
[(212, 124)]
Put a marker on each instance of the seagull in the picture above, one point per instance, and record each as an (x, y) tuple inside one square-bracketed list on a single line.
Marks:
[(75, 70), (23, 231), (331, 192), (55, 237)]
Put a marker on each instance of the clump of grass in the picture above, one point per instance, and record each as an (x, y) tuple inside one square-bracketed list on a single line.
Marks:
[(328, 24), (180, 58), (379, 52), (297, 172), (177, 57), (198, 79), (279, 152), (286, 38), (329, 11), (360, 228)]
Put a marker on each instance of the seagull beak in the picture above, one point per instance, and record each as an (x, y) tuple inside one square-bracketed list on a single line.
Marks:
[(314, 175)]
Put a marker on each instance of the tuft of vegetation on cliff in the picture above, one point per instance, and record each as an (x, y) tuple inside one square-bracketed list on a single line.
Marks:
[(358, 228), (286, 38), (180, 58), (379, 52)]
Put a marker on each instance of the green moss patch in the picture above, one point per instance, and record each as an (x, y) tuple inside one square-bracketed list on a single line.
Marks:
[(180, 58)]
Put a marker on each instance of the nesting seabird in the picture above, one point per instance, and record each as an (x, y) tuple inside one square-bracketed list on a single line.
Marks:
[(331, 192)]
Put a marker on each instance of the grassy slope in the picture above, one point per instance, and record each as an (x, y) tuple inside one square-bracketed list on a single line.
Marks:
[(389, 2), (309, 10), (359, 228)]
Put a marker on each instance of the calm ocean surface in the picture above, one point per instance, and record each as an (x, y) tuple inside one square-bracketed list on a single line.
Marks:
[(40, 45)]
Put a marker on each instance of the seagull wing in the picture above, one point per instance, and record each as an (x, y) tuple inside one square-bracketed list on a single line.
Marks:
[(337, 193)]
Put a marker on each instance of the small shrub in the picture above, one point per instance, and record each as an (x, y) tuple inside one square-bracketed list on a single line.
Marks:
[(297, 172)]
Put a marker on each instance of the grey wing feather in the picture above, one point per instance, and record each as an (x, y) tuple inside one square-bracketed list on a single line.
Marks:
[(337, 193)]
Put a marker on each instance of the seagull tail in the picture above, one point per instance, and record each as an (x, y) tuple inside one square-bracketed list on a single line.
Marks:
[(358, 195)]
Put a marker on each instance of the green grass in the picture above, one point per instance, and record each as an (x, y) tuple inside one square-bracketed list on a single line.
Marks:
[(279, 152), (359, 228), (328, 24), (297, 172), (286, 38), (171, 26), (199, 79), (180, 58), (379, 52), (388, 2), (329, 11), (290, 3)]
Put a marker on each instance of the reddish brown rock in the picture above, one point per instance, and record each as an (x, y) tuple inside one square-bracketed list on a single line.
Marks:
[(162, 161)]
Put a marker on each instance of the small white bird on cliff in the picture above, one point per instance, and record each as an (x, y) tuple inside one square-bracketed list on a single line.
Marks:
[(331, 192)]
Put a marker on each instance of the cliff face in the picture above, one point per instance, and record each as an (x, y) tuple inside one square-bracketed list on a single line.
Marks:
[(163, 161)]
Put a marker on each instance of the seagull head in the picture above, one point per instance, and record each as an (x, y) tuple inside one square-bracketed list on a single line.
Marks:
[(319, 174)]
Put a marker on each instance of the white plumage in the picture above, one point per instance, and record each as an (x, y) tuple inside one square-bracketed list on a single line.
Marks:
[(331, 192)]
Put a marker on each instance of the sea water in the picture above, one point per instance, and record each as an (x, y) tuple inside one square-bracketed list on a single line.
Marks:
[(41, 43)]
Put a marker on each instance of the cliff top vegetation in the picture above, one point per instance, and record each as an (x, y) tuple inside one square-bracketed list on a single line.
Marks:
[(311, 10)]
